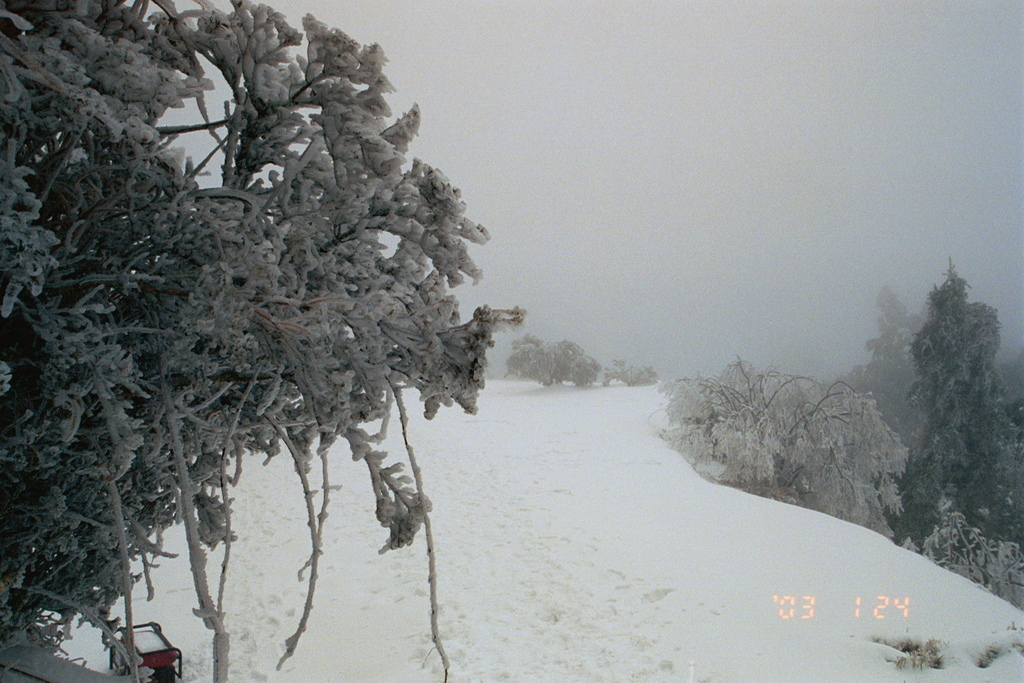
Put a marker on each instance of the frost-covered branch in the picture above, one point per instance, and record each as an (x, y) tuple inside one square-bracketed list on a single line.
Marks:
[(963, 549), (435, 630), (212, 617), (316, 530), (126, 577)]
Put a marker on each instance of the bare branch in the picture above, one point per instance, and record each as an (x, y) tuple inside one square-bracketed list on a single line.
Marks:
[(191, 128)]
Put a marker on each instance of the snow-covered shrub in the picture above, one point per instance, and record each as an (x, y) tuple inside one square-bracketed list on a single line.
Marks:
[(791, 438), (962, 549), (156, 331), (630, 375), (549, 363)]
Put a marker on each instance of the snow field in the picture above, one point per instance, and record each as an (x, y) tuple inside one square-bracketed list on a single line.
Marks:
[(575, 546)]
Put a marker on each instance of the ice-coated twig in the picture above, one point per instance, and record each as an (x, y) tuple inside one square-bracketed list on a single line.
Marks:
[(126, 577), (435, 631), (224, 483), (316, 537), (187, 489)]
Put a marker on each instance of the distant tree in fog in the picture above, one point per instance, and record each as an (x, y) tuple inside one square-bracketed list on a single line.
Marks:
[(1012, 372), (552, 363), (630, 375), (823, 446), (1011, 369), (888, 376)]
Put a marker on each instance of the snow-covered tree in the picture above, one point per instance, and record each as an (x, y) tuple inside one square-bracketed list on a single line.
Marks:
[(967, 455), (963, 549), (630, 375), (548, 363), (791, 438), (158, 327)]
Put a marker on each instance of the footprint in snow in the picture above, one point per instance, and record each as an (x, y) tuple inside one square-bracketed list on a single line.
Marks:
[(656, 595)]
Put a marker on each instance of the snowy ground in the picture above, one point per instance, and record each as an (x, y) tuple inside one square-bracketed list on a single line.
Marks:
[(575, 546)]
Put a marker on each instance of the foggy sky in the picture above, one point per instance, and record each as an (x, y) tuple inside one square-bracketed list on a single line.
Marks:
[(679, 184)]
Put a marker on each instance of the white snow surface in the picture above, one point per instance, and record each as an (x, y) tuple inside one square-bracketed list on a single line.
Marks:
[(573, 545)]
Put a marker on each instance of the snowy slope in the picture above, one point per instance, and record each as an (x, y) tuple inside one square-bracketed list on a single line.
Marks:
[(574, 545)]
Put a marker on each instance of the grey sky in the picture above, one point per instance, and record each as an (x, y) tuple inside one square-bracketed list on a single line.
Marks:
[(681, 183)]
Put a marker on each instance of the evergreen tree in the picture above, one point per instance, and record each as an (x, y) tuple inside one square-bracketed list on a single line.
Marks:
[(964, 458)]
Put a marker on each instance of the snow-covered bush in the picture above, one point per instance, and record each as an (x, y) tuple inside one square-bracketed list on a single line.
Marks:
[(630, 375), (791, 438), (157, 330), (961, 548), (549, 364)]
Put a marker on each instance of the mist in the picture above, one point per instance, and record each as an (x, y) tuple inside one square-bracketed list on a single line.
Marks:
[(680, 184)]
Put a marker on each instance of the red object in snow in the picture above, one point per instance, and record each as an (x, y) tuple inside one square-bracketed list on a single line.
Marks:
[(156, 652)]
